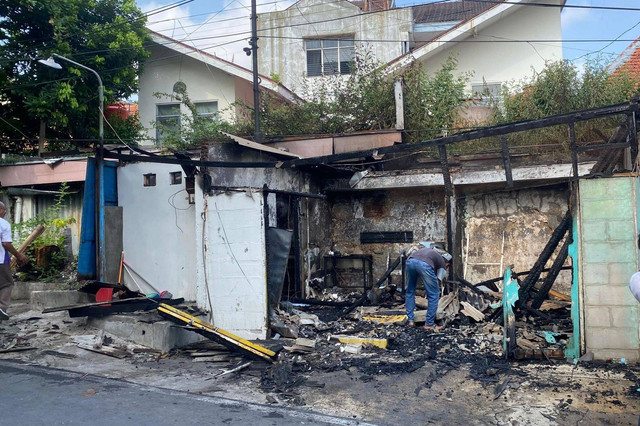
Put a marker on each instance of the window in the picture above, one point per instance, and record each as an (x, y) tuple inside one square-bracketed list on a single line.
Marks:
[(167, 119), (329, 56), (207, 109), (486, 91), (150, 179), (176, 178)]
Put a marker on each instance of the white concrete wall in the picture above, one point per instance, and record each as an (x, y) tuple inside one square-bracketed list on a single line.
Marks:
[(164, 68), (159, 229), (503, 62), (231, 269), (287, 57)]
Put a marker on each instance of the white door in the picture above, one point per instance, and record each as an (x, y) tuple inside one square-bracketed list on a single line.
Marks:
[(236, 262)]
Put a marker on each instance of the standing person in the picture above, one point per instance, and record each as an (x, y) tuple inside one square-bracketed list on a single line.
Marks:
[(6, 280), (425, 263)]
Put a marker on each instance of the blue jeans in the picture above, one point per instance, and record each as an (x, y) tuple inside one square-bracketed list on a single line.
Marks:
[(417, 268)]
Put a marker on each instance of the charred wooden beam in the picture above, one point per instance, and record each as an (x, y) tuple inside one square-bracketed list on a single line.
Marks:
[(506, 159), (529, 282), (553, 242), (448, 188), (574, 151), (553, 274), (602, 146), (499, 130)]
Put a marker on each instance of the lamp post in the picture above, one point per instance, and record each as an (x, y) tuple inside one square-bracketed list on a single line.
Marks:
[(99, 180)]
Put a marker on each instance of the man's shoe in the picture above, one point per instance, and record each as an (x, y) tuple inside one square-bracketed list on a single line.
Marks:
[(3, 315)]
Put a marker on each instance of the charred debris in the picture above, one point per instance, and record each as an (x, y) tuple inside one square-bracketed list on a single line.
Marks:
[(490, 326)]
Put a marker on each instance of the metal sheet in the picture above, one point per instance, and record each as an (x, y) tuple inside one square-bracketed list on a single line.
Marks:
[(254, 145), (278, 247), (236, 263)]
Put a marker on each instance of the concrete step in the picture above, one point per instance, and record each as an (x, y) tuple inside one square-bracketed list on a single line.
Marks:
[(55, 298), (146, 329), (22, 289)]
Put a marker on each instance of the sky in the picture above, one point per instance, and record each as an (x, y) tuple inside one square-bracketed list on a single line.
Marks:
[(221, 26)]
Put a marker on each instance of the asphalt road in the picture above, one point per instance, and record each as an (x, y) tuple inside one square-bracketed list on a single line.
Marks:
[(33, 395)]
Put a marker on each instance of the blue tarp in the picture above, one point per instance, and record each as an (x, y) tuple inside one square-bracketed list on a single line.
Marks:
[(87, 251)]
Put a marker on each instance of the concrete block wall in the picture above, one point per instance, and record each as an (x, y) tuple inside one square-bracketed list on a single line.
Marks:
[(608, 253)]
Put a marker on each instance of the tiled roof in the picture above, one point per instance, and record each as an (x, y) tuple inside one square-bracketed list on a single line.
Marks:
[(448, 12), (374, 5), (629, 60)]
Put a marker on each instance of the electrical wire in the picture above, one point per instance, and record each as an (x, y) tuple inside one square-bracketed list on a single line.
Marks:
[(553, 5), (246, 33)]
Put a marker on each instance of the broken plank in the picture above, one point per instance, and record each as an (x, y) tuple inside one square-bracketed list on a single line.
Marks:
[(525, 344), (59, 354), (386, 319), (549, 305), (422, 302), (234, 370), (561, 296), (21, 349), (104, 350), (419, 316), (214, 358), (25, 245), (298, 349), (309, 343), (471, 312), (216, 333), (209, 353), (381, 343)]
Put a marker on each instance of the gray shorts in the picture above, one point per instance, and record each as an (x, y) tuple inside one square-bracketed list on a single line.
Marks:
[(6, 279)]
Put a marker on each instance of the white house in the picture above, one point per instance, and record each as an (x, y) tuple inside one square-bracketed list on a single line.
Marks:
[(494, 42), (213, 84)]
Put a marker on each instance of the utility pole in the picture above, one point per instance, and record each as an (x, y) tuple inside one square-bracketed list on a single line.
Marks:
[(256, 79)]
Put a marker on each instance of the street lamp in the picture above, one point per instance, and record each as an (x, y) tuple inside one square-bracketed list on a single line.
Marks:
[(99, 181), (53, 64)]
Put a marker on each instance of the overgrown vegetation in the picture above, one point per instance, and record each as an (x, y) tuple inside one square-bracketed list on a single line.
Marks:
[(47, 252), (562, 87), (363, 100), (433, 106)]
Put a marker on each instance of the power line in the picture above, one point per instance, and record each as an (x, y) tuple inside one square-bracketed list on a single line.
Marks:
[(114, 24), (6, 88), (610, 43), (570, 6), (356, 16), (470, 40)]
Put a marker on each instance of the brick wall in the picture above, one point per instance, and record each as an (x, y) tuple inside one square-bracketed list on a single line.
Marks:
[(609, 257)]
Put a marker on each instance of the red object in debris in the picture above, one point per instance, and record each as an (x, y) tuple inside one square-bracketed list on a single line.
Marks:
[(105, 294)]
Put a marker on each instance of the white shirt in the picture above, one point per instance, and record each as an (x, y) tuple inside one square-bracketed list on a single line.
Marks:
[(5, 237), (634, 285)]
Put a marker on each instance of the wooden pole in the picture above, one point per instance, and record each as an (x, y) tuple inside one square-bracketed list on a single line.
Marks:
[(25, 245)]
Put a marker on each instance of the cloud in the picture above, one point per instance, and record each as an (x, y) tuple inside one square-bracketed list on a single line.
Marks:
[(223, 33)]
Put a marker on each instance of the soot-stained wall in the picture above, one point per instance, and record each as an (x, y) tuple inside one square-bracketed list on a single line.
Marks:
[(418, 210), (525, 218)]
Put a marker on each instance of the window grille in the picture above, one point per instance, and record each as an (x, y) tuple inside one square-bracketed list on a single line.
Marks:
[(329, 56), (167, 119)]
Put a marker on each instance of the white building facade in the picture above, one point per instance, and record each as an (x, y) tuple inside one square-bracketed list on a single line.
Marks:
[(493, 43)]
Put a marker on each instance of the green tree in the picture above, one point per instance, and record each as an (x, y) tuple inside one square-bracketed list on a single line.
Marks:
[(106, 35)]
